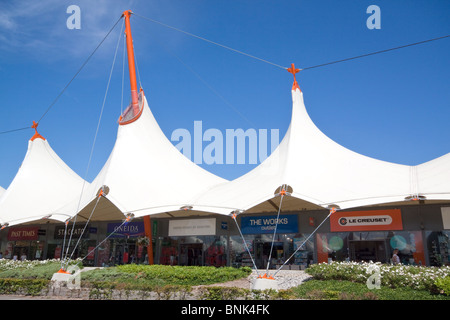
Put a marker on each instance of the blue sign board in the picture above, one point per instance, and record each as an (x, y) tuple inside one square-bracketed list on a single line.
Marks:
[(130, 229), (266, 224)]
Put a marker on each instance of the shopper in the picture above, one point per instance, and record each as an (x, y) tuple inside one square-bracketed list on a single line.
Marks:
[(395, 257)]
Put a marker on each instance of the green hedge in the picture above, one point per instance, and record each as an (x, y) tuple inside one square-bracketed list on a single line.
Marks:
[(184, 275), (443, 285), (32, 287)]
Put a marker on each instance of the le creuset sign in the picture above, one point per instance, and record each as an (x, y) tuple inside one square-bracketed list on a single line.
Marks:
[(373, 220)]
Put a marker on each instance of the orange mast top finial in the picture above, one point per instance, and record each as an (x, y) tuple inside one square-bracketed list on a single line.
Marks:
[(36, 134), (293, 70), (131, 64)]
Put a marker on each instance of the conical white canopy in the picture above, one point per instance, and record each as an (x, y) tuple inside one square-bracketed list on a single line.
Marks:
[(42, 184), (321, 172), (2, 190), (145, 174)]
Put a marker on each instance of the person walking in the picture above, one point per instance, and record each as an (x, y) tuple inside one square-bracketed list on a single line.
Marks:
[(395, 257)]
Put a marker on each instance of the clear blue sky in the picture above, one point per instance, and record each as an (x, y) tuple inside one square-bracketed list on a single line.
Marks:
[(393, 106)]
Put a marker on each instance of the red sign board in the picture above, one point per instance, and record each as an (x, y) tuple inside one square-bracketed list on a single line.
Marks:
[(23, 233), (372, 220)]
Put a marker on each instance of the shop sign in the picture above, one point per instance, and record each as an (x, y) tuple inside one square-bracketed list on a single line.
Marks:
[(60, 232), (130, 229), (266, 224), (374, 220), (192, 227), (23, 233)]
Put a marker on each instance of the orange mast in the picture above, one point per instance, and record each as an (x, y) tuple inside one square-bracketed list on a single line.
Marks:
[(131, 64), (135, 107)]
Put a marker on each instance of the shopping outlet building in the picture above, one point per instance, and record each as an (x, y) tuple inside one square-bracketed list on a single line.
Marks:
[(150, 204), (201, 219)]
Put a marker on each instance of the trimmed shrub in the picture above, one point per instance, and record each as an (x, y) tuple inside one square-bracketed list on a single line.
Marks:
[(32, 287), (443, 285)]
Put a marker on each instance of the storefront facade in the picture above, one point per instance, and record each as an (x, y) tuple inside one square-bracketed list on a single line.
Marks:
[(417, 232), (420, 232), (24, 243)]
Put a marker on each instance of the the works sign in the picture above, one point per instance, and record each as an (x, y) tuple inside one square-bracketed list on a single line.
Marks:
[(373, 220), (267, 224)]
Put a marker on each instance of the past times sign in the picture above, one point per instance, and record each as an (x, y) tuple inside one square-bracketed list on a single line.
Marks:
[(374, 220), (23, 233)]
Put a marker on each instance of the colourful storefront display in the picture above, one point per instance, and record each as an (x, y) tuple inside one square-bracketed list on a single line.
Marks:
[(421, 234)]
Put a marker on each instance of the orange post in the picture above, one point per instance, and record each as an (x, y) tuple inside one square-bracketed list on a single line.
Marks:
[(148, 234), (131, 63)]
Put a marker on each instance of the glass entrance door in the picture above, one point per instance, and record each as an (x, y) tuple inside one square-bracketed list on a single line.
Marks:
[(365, 251)]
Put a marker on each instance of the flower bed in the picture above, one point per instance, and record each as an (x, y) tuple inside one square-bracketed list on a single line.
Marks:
[(393, 276), (8, 264)]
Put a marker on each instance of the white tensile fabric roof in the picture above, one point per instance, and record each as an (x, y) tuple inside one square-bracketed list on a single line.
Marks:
[(433, 178), (145, 173), (322, 172), (2, 190), (42, 184)]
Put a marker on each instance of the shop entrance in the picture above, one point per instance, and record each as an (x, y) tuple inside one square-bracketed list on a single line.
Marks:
[(26, 250), (262, 254), (375, 251), (191, 254), (124, 252), (20, 252)]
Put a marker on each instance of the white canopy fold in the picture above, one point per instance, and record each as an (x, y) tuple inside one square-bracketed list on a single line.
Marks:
[(42, 184)]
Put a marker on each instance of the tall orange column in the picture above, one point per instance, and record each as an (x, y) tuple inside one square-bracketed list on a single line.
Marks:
[(131, 63), (148, 234)]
